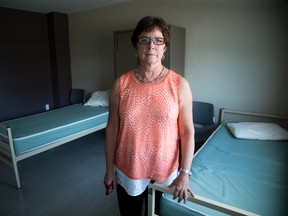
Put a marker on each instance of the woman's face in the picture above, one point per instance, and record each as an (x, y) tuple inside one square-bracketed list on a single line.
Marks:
[(151, 53)]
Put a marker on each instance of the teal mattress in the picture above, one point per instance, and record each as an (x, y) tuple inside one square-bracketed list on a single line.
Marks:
[(35, 131), (247, 174)]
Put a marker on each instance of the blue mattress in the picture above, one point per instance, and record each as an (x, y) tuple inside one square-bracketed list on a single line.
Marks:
[(34, 131), (247, 174)]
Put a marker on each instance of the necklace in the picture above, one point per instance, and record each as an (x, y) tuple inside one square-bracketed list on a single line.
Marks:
[(143, 81)]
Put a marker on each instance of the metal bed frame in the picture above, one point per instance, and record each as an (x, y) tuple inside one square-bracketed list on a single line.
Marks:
[(221, 207), (8, 156)]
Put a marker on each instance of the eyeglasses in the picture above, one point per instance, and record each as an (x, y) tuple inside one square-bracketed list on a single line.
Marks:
[(147, 40)]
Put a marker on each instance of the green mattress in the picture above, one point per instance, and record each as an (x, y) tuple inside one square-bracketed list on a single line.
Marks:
[(247, 174), (35, 131)]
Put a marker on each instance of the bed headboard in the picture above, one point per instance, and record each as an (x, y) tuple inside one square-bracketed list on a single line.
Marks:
[(238, 115)]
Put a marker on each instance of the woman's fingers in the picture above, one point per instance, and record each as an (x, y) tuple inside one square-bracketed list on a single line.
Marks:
[(182, 195)]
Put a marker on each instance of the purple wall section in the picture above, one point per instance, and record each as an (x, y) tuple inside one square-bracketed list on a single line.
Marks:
[(29, 76)]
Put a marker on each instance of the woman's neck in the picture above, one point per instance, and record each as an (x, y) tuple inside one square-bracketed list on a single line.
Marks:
[(148, 70), (149, 73)]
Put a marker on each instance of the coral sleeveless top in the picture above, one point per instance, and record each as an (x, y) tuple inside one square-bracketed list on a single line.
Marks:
[(147, 142)]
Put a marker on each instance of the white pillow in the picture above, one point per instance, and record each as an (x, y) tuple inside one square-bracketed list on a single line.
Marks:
[(258, 131), (99, 98)]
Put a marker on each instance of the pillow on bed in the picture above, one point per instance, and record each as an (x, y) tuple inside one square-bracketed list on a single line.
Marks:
[(258, 131), (99, 98)]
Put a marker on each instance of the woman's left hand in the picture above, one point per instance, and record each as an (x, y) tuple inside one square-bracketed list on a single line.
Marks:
[(181, 187)]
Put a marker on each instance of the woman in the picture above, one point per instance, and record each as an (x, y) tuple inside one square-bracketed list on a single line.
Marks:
[(150, 108)]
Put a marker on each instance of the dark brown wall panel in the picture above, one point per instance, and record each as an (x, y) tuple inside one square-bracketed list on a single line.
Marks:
[(60, 58)]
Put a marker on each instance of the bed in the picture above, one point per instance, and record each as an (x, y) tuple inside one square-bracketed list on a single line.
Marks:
[(24, 137), (234, 176)]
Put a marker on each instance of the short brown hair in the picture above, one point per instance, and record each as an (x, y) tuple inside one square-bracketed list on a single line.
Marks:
[(147, 24)]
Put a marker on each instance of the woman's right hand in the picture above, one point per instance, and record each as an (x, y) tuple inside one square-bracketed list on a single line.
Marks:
[(110, 177)]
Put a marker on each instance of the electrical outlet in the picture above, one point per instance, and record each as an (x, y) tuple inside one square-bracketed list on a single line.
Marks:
[(47, 107)]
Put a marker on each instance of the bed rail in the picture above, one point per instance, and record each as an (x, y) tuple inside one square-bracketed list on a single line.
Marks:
[(225, 111), (221, 207)]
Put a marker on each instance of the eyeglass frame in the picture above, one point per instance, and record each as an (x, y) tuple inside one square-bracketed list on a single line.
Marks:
[(151, 40)]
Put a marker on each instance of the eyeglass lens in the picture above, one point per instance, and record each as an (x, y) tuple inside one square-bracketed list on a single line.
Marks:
[(147, 40)]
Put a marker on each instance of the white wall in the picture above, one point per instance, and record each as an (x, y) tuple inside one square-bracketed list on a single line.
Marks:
[(236, 50)]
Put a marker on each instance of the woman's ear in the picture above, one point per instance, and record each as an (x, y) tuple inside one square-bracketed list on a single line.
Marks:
[(165, 48)]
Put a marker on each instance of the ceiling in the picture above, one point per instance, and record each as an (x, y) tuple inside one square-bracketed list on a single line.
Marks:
[(63, 6)]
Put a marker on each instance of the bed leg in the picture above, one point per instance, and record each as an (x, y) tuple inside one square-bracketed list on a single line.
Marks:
[(15, 167), (13, 157), (151, 202)]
